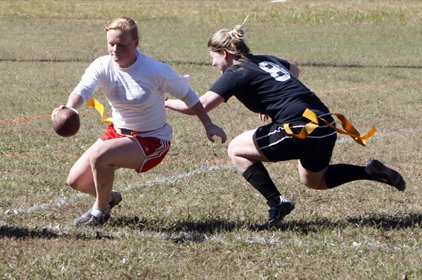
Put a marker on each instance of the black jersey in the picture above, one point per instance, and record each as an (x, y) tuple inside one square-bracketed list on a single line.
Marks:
[(265, 85)]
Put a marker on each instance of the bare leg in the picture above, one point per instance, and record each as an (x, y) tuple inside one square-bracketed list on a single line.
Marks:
[(106, 157), (243, 151), (93, 173), (80, 176), (247, 159), (313, 180)]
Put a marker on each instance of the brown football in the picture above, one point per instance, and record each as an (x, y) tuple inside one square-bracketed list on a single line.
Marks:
[(66, 122)]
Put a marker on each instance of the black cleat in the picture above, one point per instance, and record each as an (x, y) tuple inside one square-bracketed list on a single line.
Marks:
[(280, 207), (383, 174)]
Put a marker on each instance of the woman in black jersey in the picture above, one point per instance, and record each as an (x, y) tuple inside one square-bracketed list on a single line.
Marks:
[(301, 125)]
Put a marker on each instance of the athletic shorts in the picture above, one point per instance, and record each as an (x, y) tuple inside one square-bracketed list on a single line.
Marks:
[(155, 149), (314, 152)]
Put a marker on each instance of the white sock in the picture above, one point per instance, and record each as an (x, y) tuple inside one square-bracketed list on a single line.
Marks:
[(97, 212)]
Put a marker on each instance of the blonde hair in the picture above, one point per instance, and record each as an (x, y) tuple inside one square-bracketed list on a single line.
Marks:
[(124, 23), (230, 40)]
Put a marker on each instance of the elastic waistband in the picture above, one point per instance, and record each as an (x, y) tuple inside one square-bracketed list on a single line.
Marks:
[(321, 130), (127, 131)]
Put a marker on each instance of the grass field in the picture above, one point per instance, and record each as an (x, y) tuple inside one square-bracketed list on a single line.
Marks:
[(192, 217)]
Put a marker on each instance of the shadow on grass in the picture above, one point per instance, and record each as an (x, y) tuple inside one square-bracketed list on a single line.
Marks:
[(7, 231), (205, 226), (384, 222), (195, 230)]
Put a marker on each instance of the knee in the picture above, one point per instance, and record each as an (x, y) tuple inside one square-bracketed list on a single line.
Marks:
[(79, 176), (233, 154), (314, 186), (313, 183), (72, 181), (312, 180), (232, 150), (98, 157)]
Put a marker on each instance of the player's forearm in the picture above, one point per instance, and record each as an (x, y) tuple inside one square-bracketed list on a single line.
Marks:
[(178, 106), (200, 112), (74, 101)]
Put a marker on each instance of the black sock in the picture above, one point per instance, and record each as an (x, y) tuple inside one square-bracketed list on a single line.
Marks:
[(338, 174), (257, 175)]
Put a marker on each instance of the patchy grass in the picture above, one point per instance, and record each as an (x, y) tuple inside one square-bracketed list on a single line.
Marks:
[(193, 216)]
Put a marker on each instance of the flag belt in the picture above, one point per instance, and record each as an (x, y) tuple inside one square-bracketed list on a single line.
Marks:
[(348, 128)]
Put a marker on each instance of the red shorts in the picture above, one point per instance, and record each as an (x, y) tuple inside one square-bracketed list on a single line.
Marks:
[(155, 149)]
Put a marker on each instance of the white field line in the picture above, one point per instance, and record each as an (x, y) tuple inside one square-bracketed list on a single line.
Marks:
[(62, 201), (161, 180)]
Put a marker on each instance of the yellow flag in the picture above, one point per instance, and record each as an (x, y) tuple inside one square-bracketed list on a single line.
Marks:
[(349, 129), (307, 129), (100, 108)]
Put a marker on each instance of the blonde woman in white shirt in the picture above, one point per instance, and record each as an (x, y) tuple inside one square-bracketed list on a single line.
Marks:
[(139, 138)]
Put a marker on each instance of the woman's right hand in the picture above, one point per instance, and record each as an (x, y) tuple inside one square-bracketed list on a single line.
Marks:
[(53, 114)]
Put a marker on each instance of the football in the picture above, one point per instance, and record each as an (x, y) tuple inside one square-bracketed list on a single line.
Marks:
[(66, 122)]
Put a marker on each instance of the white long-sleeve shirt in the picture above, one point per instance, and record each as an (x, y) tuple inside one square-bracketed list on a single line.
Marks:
[(136, 94)]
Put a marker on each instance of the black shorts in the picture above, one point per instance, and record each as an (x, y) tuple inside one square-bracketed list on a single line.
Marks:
[(314, 152)]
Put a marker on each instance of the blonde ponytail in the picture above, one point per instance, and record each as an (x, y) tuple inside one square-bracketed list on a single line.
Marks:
[(231, 41)]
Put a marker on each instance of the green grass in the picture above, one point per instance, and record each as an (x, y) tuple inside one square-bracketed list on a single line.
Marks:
[(192, 216)]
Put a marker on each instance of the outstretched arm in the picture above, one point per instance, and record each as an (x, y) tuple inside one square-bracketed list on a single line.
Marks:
[(206, 103), (210, 128), (74, 102), (209, 101)]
